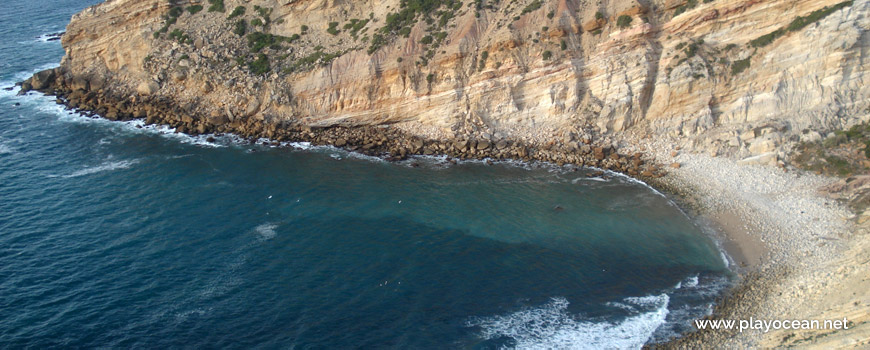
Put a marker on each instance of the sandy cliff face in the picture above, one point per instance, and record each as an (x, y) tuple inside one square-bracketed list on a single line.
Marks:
[(661, 75)]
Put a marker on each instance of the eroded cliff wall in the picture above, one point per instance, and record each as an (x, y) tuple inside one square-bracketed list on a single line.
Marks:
[(737, 77)]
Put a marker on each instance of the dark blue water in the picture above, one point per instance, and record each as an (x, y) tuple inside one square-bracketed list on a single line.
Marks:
[(114, 235)]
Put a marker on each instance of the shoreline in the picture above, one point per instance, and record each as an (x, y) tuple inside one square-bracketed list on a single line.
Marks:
[(789, 237), (761, 260)]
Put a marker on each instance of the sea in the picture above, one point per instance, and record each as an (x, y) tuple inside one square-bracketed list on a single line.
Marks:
[(121, 235)]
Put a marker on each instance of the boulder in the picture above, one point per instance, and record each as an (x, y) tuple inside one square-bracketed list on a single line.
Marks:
[(96, 83), (252, 107), (43, 79), (218, 119), (147, 88), (482, 145), (762, 146), (79, 83), (25, 86), (417, 143), (766, 158), (179, 75), (460, 145), (594, 25)]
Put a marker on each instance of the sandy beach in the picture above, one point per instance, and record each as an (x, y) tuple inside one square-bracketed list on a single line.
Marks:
[(799, 255)]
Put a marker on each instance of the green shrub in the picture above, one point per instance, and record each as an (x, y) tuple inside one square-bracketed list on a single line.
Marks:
[(766, 39), (797, 24), (241, 27), (532, 6), (547, 55), (691, 50), (355, 25), (483, 57), (623, 21), (739, 66), (563, 45), (426, 40), (256, 22), (193, 9), (801, 22), (430, 78), (303, 28), (260, 66), (216, 6), (238, 11), (257, 41), (333, 28), (175, 11), (599, 15)]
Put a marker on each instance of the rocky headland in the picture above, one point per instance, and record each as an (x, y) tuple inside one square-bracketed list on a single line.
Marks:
[(730, 98)]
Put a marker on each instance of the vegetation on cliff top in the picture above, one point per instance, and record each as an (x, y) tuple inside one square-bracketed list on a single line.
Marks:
[(843, 153), (409, 13), (797, 24)]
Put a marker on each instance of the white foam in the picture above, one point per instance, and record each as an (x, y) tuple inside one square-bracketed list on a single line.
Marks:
[(595, 178), (692, 281), (106, 166), (266, 231), (5, 149), (50, 37), (551, 326), (20, 76)]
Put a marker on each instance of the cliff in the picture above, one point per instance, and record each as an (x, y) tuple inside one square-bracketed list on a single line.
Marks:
[(695, 73)]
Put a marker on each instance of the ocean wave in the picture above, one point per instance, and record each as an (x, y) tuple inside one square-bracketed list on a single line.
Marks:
[(266, 231), (20, 76), (551, 326), (5, 148), (107, 166), (50, 37)]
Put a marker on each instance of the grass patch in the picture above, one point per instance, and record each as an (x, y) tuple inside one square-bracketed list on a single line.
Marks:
[(241, 27), (688, 6), (257, 41), (238, 11), (193, 9), (532, 6), (436, 13), (623, 21), (842, 154), (216, 6), (333, 28), (740, 65), (261, 65), (797, 24)]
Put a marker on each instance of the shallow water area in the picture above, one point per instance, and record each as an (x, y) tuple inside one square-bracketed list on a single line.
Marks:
[(118, 234)]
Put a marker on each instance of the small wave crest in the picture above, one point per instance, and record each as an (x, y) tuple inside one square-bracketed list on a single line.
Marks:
[(107, 166), (266, 231), (551, 326), (49, 37)]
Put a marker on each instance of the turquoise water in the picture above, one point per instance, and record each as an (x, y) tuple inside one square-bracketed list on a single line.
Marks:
[(119, 235)]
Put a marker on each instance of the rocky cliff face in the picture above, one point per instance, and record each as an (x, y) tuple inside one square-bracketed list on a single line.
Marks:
[(738, 77)]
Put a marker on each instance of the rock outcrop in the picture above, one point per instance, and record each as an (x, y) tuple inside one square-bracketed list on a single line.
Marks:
[(522, 71)]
